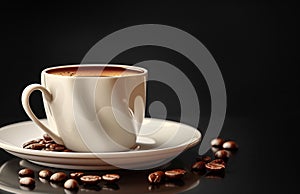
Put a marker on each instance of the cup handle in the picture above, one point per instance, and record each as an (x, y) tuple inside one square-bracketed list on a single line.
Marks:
[(25, 103)]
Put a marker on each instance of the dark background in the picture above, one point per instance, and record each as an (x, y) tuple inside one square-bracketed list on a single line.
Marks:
[(254, 44)]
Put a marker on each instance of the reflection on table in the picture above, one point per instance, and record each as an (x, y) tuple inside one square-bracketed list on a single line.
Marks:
[(130, 182)]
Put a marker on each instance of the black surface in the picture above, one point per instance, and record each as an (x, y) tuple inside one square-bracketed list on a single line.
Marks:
[(254, 44)]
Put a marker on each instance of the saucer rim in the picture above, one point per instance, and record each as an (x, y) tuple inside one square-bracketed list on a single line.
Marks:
[(184, 146)]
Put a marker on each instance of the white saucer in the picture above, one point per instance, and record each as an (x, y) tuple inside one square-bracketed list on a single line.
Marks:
[(160, 141)]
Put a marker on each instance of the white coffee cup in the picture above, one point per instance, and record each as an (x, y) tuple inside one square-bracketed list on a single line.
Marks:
[(91, 108)]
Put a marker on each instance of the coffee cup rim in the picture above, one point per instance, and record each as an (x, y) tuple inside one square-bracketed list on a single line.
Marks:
[(142, 70)]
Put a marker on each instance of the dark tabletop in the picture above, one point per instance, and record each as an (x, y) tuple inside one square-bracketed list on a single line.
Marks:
[(253, 43)]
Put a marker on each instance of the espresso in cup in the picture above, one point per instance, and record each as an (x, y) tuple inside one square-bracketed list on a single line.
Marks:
[(91, 108), (94, 71)]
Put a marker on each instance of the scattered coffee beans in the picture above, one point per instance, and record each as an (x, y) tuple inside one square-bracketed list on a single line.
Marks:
[(111, 178), (46, 144), (217, 142), (203, 158), (56, 147), (76, 175), (215, 149), (47, 137), (26, 172), (35, 146), (58, 177), (90, 179), (230, 145), (27, 181), (219, 161), (199, 166), (71, 184), (45, 174), (222, 154), (156, 177), (215, 166), (31, 142), (175, 174)]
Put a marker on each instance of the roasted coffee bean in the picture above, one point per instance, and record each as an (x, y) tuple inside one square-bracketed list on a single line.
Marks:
[(43, 180), (175, 174), (58, 177), (205, 159), (230, 145), (219, 161), (222, 154), (199, 166), (47, 137), (76, 175), (26, 172), (45, 174), (48, 143), (214, 149), (214, 166), (31, 142), (90, 179), (217, 142), (71, 184), (27, 188), (57, 147), (56, 185), (111, 178), (42, 142), (27, 181), (35, 146), (156, 177)]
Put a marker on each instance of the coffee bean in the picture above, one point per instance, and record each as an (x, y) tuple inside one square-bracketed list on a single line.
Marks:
[(35, 146), (26, 172), (27, 181), (90, 179), (199, 166), (230, 145), (31, 142), (56, 185), (219, 161), (156, 177), (205, 159), (45, 174), (111, 178), (76, 175), (217, 142), (57, 147), (175, 174), (214, 149), (48, 143), (215, 166), (47, 137), (71, 184), (222, 154), (58, 177), (43, 180)]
